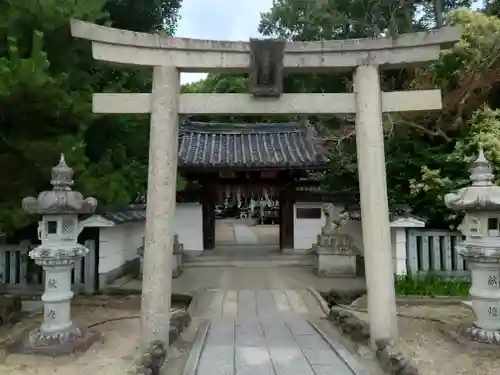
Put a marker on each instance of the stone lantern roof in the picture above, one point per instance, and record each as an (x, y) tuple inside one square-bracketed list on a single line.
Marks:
[(61, 199), (482, 194)]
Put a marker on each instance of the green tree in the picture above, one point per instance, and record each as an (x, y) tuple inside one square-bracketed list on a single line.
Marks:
[(484, 132), (336, 19), (144, 15), (46, 82)]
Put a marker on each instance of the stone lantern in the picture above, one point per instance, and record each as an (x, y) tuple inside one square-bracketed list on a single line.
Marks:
[(59, 250), (481, 248)]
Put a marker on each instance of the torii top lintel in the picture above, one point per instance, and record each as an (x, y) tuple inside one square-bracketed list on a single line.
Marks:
[(197, 55)]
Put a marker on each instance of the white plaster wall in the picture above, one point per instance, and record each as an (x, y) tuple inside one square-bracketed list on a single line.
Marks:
[(189, 225), (398, 243), (306, 230), (118, 245), (398, 240)]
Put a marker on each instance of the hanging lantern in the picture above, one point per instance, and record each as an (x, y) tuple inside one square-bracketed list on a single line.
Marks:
[(238, 197), (226, 197)]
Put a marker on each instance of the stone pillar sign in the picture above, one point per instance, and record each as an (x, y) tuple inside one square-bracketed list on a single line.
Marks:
[(59, 251), (481, 248)]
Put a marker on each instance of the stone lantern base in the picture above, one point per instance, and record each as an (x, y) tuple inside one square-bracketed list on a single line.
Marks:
[(471, 338), (55, 345), (482, 335), (484, 264)]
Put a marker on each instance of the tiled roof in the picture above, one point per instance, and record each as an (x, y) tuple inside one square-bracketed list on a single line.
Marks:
[(127, 214), (137, 212), (248, 146)]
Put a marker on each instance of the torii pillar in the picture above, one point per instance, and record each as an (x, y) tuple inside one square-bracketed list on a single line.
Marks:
[(168, 56)]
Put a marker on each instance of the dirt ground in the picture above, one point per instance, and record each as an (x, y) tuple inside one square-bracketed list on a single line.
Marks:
[(436, 353), (114, 355)]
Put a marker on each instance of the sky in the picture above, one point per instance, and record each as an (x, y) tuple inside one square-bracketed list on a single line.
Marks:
[(219, 20)]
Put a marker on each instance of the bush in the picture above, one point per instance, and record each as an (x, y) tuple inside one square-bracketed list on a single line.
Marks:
[(431, 286)]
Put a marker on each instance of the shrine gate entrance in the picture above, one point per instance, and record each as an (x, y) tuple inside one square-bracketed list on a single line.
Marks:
[(267, 61), (249, 171)]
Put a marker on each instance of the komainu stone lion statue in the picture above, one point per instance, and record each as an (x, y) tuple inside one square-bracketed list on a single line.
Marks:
[(334, 219)]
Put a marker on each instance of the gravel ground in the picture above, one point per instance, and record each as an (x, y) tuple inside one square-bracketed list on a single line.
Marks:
[(437, 354), (114, 355)]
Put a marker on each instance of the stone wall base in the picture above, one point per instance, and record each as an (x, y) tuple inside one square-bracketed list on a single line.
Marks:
[(128, 268), (389, 356)]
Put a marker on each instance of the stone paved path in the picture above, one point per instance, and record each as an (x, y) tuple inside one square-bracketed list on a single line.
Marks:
[(264, 332), (244, 235)]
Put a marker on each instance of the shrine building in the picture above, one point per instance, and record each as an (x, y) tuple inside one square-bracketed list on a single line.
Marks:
[(239, 162)]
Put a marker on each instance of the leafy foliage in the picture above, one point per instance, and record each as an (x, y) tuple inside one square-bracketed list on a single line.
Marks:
[(431, 286), (336, 19), (468, 73), (151, 15), (46, 82)]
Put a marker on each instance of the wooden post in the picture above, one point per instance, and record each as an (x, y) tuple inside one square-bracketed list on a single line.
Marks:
[(208, 214), (286, 217)]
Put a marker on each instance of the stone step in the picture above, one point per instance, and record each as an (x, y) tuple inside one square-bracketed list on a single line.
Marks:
[(275, 261)]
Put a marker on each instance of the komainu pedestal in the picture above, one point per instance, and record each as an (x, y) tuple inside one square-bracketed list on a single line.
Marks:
[(335, 257), (335, 253)]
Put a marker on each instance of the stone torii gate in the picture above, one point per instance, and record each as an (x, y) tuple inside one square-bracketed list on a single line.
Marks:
[(168, 56)]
